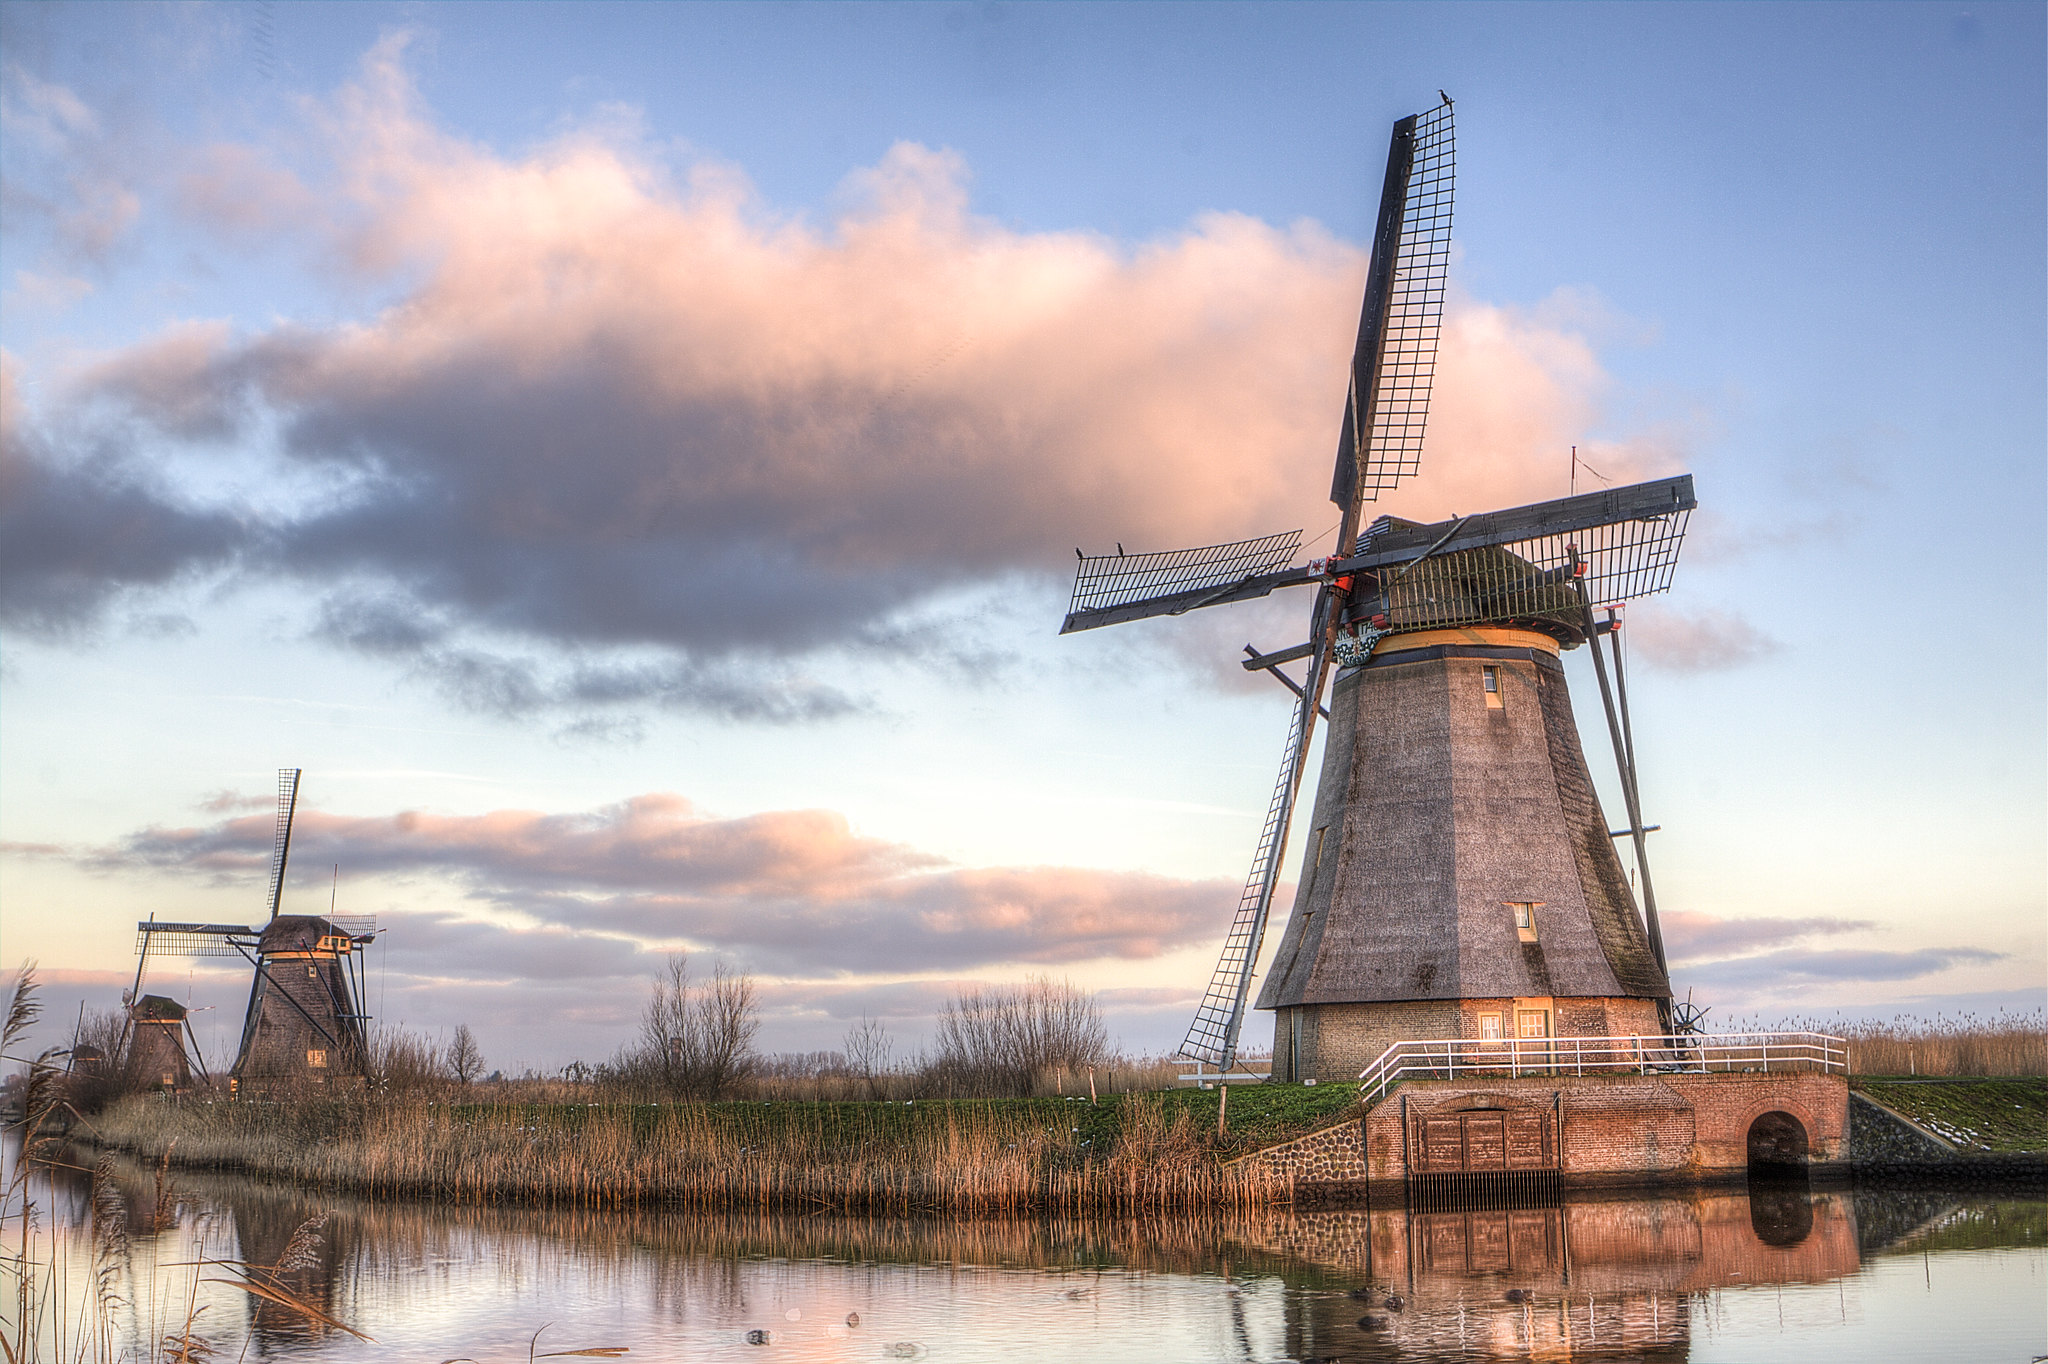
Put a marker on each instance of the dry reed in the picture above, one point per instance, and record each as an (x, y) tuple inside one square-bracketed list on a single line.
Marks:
[(2004, 1043), (964, 1159)]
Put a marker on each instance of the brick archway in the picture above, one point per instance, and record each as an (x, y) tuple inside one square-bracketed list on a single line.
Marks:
[(1778, 1140), (1780, 1103), (1467, 1103)]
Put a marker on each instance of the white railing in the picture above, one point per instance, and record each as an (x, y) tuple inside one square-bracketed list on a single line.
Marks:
[(1685, 1053)]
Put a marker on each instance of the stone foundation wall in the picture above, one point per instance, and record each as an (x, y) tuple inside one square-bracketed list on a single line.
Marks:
[(1340, 1040), (1331, 1155), (1880, 1136)]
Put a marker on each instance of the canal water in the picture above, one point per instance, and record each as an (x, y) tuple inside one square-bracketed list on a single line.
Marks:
[(1772, 1274)]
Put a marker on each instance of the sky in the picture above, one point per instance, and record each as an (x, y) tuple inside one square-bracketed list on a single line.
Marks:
[(631, 458)]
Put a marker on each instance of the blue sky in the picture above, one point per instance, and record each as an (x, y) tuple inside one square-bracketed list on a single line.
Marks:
[(627, 456)]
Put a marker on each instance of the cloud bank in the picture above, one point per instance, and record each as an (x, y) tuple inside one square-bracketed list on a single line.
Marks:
[(625, 436), (792, 892), (1752, 955)]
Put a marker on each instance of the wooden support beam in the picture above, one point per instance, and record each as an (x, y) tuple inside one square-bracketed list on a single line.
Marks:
[(1272, 665), (1259, 660)]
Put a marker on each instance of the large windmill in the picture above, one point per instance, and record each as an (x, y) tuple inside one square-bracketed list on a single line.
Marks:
[(306, 1015), (1459, 879)]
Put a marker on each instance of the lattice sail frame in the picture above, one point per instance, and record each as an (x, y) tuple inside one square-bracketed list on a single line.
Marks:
[(1110, 580), (280, 846), (230, 940), (1392, 450), (194, 940), (1532, 579), (1212, 1036)]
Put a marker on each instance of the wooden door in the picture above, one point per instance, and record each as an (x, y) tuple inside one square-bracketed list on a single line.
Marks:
[(1487, 1139)]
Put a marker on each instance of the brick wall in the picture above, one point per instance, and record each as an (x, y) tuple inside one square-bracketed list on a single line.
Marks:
[(1609, 1127)]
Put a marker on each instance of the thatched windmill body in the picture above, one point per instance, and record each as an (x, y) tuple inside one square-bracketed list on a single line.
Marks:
[(157, 1057), (304, 1026), (1459, 879)]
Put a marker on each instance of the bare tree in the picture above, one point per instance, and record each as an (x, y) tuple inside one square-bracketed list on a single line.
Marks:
[(404, 1062), (868, 1049), (666, 1047), (465, 1058), (728, 1016), (999, 1040), (699, 1039)]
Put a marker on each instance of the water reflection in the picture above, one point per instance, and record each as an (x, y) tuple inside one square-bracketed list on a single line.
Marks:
[(1589, 1278)]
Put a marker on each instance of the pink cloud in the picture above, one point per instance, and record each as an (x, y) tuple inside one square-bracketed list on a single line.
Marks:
[(1691, 935), (1709, 640), (618, 405), (790, 891)]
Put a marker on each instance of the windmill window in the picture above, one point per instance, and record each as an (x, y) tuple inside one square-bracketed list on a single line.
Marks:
[(1489, 1027), (317, 1059), (1525, 918), (1489, 680), (312, 973)]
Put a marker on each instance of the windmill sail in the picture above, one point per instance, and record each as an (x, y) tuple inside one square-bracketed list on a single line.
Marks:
[(1212, 1037), (1529, 563), (1395, 359), (1112, 588), (194, 940), (1385, 412), (1386, 409), (281, 847)]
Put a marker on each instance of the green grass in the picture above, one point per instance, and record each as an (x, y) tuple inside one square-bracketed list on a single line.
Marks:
[(2002, 1114), (1259, 1115)]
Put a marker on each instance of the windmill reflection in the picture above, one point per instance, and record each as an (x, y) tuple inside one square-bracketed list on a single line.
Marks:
[(1585, 1279), (300, 1250)]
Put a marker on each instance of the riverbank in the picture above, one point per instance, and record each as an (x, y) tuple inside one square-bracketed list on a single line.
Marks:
[(2002, 1115), (1129, 1154)]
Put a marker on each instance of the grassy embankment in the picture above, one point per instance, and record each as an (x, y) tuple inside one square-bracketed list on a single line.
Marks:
[(2002, 1114), (1130, 1154)]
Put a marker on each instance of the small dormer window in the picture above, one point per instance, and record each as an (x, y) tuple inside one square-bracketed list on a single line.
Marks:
[(316, 1058), (1489, 680), (1525, 918)]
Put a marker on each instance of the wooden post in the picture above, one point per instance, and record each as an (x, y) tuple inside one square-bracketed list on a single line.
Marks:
[(1222, 1107), (1091, 1084)]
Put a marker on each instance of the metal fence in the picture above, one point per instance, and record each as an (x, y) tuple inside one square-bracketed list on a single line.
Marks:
[(1671, 1053)]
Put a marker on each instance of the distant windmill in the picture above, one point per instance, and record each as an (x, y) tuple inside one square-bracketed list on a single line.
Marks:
[(157, 1029), (1459, 879), (305, 1022)]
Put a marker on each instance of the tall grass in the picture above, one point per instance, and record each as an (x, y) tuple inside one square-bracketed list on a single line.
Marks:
[(984, 1160), (2004, 1043)]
